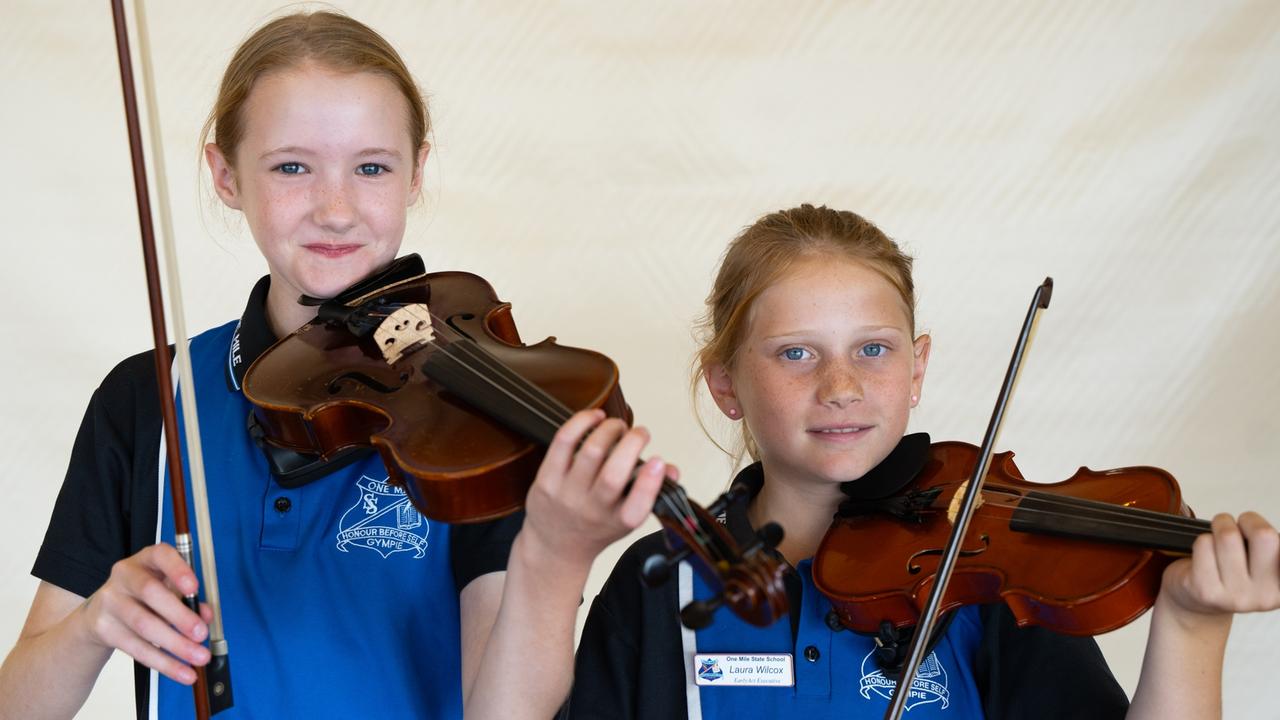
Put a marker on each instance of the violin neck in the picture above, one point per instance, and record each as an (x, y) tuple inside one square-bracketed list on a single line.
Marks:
[(1064, 516), (504, 395)]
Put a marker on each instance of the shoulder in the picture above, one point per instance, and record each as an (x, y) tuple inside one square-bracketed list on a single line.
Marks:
[(624, 591)]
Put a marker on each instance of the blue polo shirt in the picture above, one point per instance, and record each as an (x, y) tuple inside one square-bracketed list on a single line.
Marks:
[(835, 672), (338, 598)]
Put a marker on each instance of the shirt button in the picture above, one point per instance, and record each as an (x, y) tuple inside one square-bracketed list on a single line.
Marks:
[(833, 622), (811, 654), (283, 504)]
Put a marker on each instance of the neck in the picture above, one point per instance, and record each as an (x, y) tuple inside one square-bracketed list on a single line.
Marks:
[(803, 509), (284, 314)]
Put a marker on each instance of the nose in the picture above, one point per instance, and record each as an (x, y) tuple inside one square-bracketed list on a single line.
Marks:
[(839, 385), (334, 209)]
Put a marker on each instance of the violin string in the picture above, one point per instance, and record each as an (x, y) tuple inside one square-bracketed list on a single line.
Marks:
[(1185, 532), (672, 496), (552, 409), (1084, 507)]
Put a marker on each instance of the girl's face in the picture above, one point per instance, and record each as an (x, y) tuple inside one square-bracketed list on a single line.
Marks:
[(324, 175), (827, 373)]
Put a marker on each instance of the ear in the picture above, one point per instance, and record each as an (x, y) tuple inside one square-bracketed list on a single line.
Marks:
[(223, 176), (920, 361), (420, 162), (720, 383)]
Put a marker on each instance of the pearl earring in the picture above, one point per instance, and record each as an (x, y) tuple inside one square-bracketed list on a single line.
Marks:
[(733, 412), (915, 399)]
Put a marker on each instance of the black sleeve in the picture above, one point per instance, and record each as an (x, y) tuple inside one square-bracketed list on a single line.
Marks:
[(629, 663), (1034, 672), (94, 518), (481, 548)]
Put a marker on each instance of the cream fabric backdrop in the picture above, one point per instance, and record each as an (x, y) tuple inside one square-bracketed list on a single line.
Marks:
[(592, 160)]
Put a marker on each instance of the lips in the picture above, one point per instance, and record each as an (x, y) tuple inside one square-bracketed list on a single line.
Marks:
[(836, 431), (332, 251)]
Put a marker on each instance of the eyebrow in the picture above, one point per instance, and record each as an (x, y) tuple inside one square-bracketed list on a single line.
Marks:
[(299, 150), (864, 328)]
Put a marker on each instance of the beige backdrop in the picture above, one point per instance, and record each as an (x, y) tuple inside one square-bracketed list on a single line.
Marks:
[(592, 160)]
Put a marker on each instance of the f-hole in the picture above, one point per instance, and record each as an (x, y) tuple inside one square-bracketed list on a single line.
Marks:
[(914, 569), (335, 385), (452, 322)]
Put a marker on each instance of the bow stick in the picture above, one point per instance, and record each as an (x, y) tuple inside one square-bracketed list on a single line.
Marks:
[(213, 683), (951, 553)]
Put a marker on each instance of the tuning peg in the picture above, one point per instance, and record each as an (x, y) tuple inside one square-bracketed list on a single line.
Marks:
[(699, 613), (657, 567), (767, 538), (722, 503)]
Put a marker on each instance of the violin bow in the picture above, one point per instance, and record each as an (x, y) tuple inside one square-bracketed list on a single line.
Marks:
[(960, 524), (213, 683)]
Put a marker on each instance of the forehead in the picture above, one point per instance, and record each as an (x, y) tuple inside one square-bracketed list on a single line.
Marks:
[(827, 292), (314, 106)]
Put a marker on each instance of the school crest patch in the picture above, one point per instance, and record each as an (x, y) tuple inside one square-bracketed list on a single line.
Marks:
[(930, 685), (710, 670), (383, 520)]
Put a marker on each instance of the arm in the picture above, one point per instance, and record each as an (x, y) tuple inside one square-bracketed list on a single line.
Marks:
[(1182, 669), (67, 639), (517, 630)]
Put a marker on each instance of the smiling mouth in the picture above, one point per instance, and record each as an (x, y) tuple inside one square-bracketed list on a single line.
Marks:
[(332, 250), (850, 430)]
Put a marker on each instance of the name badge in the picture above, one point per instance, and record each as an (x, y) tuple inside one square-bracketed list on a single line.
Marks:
[(773, 670)]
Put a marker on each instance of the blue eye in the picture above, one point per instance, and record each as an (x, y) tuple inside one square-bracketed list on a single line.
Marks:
[(873, 349), (795, 353), (371, 169), (290, 168)]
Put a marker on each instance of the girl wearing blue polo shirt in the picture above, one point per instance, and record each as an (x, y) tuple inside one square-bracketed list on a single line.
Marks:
[(339, 599), (811, 345)]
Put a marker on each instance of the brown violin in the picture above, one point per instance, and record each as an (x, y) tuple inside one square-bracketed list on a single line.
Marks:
[(1083, 556), (429, 370)]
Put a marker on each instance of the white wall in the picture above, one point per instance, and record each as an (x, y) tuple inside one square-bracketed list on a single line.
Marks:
[(1128, 149)]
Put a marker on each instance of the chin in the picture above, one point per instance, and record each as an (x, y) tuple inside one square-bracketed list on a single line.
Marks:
[(329, 280)]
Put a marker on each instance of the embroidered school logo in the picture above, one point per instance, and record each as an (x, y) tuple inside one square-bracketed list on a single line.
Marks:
[(384, 520), (930, 685), (710, 669)]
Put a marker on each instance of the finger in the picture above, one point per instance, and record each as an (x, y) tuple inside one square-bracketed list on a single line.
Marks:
[(1204, 578), (160, 600), (165, 560), (644, 493), (157, 659), (206, 613), (620, 466), (591, 455), (1264, 556), (559, 457), (673, 473), (1229, 553), (146, 624)]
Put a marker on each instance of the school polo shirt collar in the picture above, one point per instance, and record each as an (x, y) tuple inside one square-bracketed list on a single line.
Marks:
[(899, 468), (252, 337)]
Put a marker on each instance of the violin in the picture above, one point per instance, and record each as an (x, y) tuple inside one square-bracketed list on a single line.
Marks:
[(429, 370), (1081, 557)]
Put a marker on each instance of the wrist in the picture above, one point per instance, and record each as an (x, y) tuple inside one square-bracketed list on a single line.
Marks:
[(532, 553), (1206, 625)]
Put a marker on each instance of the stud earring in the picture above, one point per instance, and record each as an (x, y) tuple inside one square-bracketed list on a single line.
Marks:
[(915, 399), (733, 412)]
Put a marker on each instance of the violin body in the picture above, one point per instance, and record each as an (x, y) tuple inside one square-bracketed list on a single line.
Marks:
[(324, 389), (1082, 557)]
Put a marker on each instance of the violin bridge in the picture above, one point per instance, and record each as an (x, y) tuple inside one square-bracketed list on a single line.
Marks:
[(404, 330), (957, 499)]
